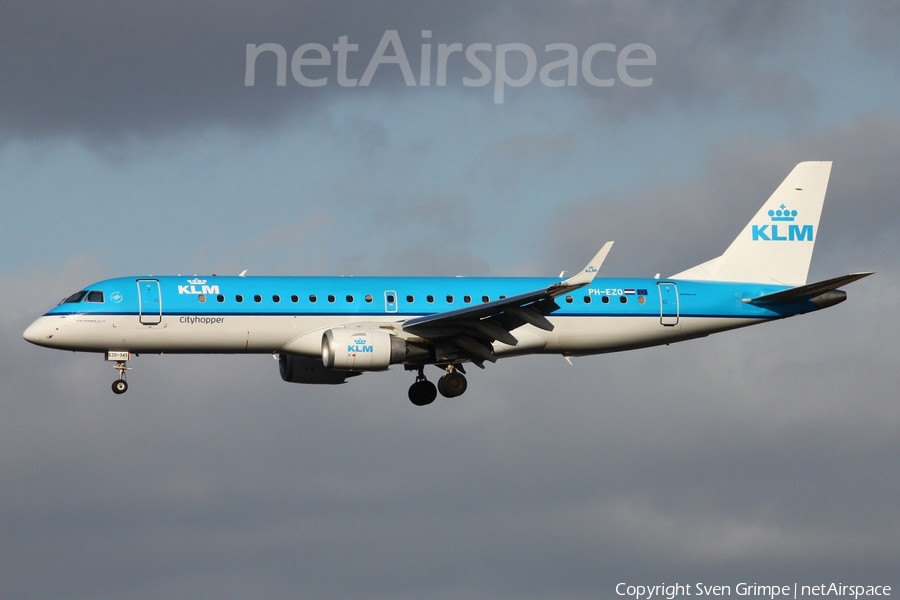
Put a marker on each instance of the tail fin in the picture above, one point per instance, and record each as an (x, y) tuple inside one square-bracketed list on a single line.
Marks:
[(777, 245)]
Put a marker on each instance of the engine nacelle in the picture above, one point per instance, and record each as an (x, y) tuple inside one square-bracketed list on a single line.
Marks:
[(365, 349), (296, 369)]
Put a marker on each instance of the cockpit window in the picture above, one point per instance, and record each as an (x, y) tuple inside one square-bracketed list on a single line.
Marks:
[(94, 296), (75, 298)]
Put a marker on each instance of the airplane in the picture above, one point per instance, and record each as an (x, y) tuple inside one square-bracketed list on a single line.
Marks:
[(324, 330)]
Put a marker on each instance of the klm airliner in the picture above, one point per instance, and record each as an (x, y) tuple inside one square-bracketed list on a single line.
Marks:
[(325, 330)]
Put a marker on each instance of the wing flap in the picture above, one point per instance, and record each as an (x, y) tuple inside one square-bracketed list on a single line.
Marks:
[(493, 331)]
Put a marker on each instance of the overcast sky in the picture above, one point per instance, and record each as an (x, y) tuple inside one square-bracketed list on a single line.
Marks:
[(130, 144)]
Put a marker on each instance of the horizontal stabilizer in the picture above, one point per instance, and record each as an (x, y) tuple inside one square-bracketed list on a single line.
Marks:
[(805, 292)]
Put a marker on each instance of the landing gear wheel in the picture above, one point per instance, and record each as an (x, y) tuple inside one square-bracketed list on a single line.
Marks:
[(452, 384), (120, 386), (422, 393)]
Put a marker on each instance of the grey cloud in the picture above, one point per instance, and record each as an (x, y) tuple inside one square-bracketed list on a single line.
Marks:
[(108, 72), (878, 24)]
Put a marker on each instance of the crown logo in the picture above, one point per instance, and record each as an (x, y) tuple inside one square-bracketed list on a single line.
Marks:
[(782, 214), (196, 281), (359, 341)]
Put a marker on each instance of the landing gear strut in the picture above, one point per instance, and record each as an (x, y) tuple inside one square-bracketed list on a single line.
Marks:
[(452, 383), (422, 392), (120, 386)]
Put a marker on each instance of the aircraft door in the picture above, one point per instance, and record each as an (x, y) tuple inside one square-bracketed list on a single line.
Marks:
[(390, 301), (149, 302), (668, 304)]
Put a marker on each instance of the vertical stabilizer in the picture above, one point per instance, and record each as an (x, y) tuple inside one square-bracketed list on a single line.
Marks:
[(776, 246)]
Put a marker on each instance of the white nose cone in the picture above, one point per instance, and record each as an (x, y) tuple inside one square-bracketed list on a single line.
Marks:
[(40, 332)]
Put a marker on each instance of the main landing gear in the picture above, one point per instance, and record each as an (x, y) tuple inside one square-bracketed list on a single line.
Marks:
[(422, 392), (120, 386), (451, 384)]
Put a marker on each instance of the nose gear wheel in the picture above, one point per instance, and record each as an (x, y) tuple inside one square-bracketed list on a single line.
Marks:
[(120, 385)]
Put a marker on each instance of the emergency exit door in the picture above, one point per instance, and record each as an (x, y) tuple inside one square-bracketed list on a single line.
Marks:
[(668, 304)]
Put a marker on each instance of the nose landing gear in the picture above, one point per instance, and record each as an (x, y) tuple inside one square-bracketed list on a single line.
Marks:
[(120, 385)]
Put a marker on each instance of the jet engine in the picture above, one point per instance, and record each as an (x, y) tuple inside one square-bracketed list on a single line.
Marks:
[(296, 369), (365, 349)]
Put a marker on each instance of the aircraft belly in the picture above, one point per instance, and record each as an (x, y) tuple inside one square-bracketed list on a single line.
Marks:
[(594, 335), (531, 341)]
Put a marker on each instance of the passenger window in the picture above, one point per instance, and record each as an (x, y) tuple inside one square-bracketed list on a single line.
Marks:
[(623, 299), (202, 297), (390, 298), (429, 298), (449, 299), (94, 297), (239, 298), (467, 299), (368, 297), (485, 299), (295, 298), (330, 297), (257, 298), (641, 299), (312, 298), (569, 299), (410, 299), (349, 298), (587, 299), (605, 299), (276, 298), (503, 297)]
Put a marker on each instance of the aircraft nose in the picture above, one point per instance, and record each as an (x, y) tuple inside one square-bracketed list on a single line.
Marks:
[(38, 332)]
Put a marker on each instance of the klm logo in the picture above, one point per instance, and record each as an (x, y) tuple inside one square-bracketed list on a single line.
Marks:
[(789, 231), (197, 287), (360, 346)]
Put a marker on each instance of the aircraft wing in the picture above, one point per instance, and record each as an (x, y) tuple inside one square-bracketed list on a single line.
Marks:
[(474, 328), (806, 292)]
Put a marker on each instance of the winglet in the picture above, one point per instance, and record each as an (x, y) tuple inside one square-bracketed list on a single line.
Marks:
[(586, 275)]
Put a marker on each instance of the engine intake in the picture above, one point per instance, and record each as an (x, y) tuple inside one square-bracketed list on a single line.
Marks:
[(365, 349)]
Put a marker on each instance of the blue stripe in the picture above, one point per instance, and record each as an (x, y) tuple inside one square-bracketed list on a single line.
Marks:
[(696, 299)]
